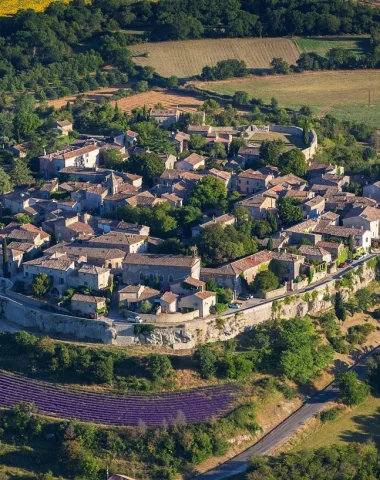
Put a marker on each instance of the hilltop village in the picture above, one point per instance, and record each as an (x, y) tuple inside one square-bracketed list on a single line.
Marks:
[(233, 214)]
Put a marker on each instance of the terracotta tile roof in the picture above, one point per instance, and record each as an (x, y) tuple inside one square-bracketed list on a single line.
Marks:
[(254, 174), (198, 128), (194, 282), (315, 201), (170, 112), (288, 257), (204, 295), (87, 298), (117, 238), (330, 245), (193, 159), (171, 197), (92, 269), (131, 133), (97, 190), (81, 227), (63, 262), (64, 123), (368, 213), (80, 151), (254, 150), (338, 231), (169, 297), (160, 260), (304, 227), (220, 174), (23, 247), (254, 260), (226, 218), (90, 252), (254, 201), (289, 179), (179, 174), (313, 251)]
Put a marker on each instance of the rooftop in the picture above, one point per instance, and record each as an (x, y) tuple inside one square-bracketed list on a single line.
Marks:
[(77, 297), (160, 260)]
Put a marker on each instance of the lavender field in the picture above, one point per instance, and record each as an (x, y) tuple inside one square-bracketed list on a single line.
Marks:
[(194, 406)]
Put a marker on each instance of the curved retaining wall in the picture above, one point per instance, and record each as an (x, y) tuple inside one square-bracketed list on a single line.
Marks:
[(308, 152)]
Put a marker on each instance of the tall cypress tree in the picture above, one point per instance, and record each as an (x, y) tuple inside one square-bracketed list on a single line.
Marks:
[(5, 259)]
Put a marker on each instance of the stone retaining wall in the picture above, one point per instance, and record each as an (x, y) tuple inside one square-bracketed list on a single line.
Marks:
[(310, 151)]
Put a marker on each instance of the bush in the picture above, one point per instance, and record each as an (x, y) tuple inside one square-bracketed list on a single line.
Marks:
[(265, 282), (206, 360), (353, 392), (329, 415)]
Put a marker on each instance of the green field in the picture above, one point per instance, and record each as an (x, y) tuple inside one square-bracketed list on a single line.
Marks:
[(321, 45), (344, 94), (360, 424)]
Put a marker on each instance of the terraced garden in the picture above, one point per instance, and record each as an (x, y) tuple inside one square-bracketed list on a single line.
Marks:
[(193, 406)]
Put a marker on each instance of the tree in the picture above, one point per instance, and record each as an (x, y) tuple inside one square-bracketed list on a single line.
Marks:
[(300, 354), (5, 258), (272, 220), (146, 306), (20, 173), (113, 159), (288, 211), (102, 370), (364, 299), (236, 144), (351, 246), (77, 461), (270, 151), (5, 182), (264, 282), (23, 218), (293, 161), (280, 66), (147, 165), (340, 310), (270, 244), (41, 284), (206, 360), (305, 133), (172, 82), (240, 98), (352, 391), (197, 142), (210, 192), (218, 150), (142, 86), (159, 366)]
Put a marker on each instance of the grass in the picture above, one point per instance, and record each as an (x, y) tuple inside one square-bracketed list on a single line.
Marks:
[(187, 58), (359, 424), (343, 93), (321, 45)]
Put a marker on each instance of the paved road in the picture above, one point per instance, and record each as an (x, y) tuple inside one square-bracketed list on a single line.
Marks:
[(283, 431)]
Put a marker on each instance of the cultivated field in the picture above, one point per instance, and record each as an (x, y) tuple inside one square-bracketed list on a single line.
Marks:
[(345, 94), (321, 45), (187, 58), (186, 103), (9, 7)]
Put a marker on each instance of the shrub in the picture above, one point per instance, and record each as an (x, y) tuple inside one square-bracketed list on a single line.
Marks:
[(329, 415), (206, 360), (353, 392)]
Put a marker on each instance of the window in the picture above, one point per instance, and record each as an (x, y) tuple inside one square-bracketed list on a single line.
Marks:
[(170, 278), (85, 284), (161, 277), (110, 265), (151, 278), (61, 281), (141, 277)]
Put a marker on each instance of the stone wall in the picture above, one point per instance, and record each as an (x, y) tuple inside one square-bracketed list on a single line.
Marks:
[(311, 150), (316, 299), (33, 318)]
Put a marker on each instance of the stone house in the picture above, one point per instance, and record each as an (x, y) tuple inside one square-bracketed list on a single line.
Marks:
[(165, 118), (225, 177), (68, 229), (15, 259), (169, 302), (367, 218), (201, 301), (29, 250), (251, 181), (107, 226), (17, 202), (288, 181), (289, 265), (314, 207), (84, 157), (181, 141), (316, 253), (246, 268), (168, 269), (334, 248), (259, 205), (362, 238), (91, 276), (87, 304), (132, 295), (127, 242), (372, 191), (57, 266), (27, 233), (173, 199), (131, 138), (223, 220), (331, 180), (249, 153), (63, 127), (111, 258), (95, 196), (191, 162), (169, 160), (18, 151)]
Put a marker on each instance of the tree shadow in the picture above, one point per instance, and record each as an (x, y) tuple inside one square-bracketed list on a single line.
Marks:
[(368, 429)]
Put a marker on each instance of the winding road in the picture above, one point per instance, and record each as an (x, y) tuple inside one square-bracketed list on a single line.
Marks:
[(285, 429)]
